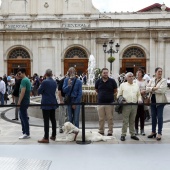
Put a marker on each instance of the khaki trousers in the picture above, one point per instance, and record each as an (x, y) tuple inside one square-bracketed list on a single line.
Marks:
[(129, 114), (105, 111)]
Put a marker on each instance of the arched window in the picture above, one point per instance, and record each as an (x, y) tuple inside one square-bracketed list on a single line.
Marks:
[(133, 52), (19, 53), (76, 53)]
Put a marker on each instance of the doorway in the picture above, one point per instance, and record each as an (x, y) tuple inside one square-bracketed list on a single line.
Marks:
[(18, 58), (76, 57), (80, 65), (14, 65)]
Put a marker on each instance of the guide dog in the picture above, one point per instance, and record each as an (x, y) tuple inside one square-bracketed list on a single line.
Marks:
[(72, 133)]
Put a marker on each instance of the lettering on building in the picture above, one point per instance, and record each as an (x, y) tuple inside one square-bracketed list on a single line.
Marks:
[(79, 26), (17, 26)]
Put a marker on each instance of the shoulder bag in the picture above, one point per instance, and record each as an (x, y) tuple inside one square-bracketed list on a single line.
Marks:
[(67, 98)]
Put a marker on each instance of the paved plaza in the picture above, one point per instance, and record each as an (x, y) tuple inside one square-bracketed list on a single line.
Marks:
[(113, 154)]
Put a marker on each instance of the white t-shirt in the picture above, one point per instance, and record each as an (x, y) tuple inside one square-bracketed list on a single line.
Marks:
[(146, 77)]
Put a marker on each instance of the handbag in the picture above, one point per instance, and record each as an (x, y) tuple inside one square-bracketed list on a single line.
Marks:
[(147, 99), (67, 98)]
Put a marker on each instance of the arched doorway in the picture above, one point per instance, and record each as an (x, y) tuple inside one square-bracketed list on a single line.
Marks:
[(76, 57), (18, 58), (133, 58)]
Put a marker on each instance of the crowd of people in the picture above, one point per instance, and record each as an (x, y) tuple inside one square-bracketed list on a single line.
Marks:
[(132, 90)]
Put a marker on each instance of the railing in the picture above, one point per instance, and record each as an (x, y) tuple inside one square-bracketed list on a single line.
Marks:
[(83, 112)]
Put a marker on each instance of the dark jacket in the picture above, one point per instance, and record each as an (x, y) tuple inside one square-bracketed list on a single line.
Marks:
[(119, 108), (48, 90), (16, 88)]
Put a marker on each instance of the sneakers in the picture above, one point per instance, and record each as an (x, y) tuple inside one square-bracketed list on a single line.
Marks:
[(24, 136)]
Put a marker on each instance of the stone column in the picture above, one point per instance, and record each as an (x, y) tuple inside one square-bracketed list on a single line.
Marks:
[(59, 7), (151, 63), (5, 7), (3, 69), (167, 59), (161, 55), (33, 7)]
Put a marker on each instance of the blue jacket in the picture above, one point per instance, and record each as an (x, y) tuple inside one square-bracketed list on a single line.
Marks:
[(48, 90), (77, 90)]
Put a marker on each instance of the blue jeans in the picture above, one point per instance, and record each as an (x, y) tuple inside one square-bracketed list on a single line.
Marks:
[(157, 117), (2, 98), (73, 115), (24, 120)]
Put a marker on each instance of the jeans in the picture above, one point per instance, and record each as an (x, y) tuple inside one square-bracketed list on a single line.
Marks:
[(16, 109), (140, 115), (49, 115), (24, 120), (157, 117), (62, 115), (73, 115), (2, 98)]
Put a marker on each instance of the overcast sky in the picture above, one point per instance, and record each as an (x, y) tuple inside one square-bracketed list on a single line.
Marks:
[(125, 5)]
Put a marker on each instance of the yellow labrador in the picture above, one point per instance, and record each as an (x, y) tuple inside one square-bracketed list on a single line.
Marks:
[(72, 133)]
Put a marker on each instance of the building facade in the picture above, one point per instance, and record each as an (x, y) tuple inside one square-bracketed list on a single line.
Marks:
[(58, 34)]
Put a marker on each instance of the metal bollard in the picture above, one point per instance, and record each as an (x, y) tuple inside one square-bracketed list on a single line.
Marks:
[(83, 142)]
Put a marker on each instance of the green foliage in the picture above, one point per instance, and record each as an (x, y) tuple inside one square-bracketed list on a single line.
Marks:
[(111, 59)]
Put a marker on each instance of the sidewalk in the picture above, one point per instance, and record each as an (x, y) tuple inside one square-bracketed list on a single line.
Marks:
[(136, 155)]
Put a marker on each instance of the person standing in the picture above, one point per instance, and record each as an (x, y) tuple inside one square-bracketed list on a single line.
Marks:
[(140, 110), (157, 86), (62, 109), (130, 91), (23, 102), (48, 91), (73, 87), (16, 94), (106, 88), (2, 90)]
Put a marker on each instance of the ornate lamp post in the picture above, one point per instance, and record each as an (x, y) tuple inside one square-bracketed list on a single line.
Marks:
[(110, 51)]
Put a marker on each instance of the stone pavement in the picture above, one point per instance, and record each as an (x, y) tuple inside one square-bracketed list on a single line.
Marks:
[(11, 130), (113, 154)]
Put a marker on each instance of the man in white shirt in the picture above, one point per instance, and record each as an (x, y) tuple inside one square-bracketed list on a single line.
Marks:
[(130, 91), (2, 90)]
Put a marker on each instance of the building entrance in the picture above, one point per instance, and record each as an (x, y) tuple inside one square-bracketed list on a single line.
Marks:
[(133, 58), (77, 58), (18, 58)]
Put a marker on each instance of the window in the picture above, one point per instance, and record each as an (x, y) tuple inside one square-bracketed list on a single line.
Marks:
[(133, 52), (76, 53), (19, 53)]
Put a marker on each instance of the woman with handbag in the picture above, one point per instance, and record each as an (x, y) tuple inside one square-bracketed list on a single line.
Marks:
[(140, 110), (72, 88), (157, 86)]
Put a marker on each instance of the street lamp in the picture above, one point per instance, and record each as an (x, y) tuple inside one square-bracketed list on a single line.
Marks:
[(110, 51)]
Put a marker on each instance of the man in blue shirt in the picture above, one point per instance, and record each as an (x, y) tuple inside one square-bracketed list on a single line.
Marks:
[(76, 94), (48, 91)]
